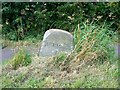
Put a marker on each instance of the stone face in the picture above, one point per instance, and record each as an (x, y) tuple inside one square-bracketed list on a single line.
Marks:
[(55, 41)]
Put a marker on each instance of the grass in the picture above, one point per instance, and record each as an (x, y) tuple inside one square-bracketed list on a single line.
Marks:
[(92, 64), (93, 42), (59, 58), (41, 75), (22, 58)]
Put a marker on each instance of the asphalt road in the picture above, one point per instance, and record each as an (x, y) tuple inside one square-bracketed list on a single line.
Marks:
[(8, 53)]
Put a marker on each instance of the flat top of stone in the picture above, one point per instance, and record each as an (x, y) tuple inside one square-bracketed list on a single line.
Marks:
[(48, 32)]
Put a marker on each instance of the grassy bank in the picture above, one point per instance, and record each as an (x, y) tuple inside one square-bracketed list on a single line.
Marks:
[(91, 64), (43, 73), (26, 42)]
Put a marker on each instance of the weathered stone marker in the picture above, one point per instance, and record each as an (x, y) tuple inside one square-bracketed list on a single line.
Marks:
[(55, 41)]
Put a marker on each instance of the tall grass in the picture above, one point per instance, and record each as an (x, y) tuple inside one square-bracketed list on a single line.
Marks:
[(93, 42)]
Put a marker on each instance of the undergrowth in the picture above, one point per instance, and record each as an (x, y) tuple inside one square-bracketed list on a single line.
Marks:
[(92, 63)]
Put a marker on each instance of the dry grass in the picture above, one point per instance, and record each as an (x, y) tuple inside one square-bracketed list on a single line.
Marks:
[(51, 76)]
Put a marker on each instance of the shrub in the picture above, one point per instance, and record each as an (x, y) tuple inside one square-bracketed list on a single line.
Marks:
[(20, 19)]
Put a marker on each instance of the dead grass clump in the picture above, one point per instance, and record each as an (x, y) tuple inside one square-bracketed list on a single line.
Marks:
[(91, 47)]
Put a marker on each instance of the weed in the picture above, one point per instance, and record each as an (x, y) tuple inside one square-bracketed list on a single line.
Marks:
[(92, 43), (21, 59), (33, 82), (77, 84), (59, 58)]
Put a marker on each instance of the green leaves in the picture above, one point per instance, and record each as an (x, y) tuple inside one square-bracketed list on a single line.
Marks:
[(77, 35), (38, 17)]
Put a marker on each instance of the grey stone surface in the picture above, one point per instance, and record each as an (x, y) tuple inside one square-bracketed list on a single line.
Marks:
[(55, 41)]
